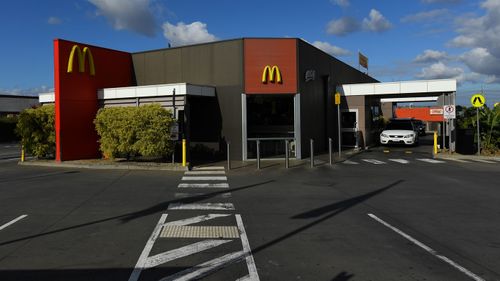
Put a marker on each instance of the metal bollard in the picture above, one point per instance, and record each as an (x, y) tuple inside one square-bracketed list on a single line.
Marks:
[(183, 152), (258, 154), (228, 156), (330, 151), (287, 159), (312, 153)]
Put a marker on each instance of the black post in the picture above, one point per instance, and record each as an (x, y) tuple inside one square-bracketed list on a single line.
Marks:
[(312, 153), (287, 159), (330, 151), (258, 154), (228, 156)]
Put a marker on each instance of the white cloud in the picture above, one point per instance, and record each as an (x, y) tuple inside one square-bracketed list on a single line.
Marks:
[(376, 22), (186, 34), (54, 20), (342, 26), (440, 71), (481, 35), (331, 49), (26, 91), (133, 15), (441, 1), (429, 56), (341, 3), (425, 16)]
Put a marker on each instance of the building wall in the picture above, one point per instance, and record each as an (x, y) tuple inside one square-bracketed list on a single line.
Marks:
[(421, 113), (318, 112), (16, 104), (217, 64)]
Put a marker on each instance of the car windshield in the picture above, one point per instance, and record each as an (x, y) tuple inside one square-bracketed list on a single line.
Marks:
[(399, 126)]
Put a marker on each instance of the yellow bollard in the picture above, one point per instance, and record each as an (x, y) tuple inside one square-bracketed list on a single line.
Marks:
[(183, 152), (22, 153), (435, 143)]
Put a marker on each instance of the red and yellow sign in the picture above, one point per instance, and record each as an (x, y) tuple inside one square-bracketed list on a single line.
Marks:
[(271, 74), (81, 59)]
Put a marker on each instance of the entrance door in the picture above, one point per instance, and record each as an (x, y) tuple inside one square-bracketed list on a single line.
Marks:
[(349, 123)]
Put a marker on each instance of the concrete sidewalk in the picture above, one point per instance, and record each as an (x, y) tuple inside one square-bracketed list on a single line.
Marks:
[(106, 164), (445, 155)]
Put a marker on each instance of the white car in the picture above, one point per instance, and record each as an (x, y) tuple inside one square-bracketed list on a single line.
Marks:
[(399, 131)]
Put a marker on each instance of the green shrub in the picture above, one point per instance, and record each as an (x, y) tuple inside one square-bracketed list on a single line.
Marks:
[(134, 131), (8, 128), (37, 131)]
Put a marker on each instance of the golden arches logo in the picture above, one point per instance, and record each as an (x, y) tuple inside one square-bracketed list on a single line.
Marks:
[(272, 74), (81, 59)]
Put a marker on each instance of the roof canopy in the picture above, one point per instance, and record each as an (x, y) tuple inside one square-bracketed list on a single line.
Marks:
[(401, 88)]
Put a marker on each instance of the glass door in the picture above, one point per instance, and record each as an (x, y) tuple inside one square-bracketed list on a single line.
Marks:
[(349, 125)]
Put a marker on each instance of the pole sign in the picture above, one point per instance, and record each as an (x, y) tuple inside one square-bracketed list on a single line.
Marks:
[(337, 98), (449, 112), (477, 100)]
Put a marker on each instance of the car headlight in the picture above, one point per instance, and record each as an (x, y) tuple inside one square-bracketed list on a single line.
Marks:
[(409, 136), (384, 135)]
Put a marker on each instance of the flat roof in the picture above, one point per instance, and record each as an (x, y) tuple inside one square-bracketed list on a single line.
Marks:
[(409, 88), (159, 90)]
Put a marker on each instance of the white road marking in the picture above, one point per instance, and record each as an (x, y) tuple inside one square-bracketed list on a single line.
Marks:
[(374, 161), (350, 162), (203, 185), (484, 161), (428, 249), (252, 269), (402, 161), (201, 206), (428, 160), (182, 252), (457, 160), (13, 221), (197, 219), (143, 258), (206, 268), (226, 195), (208, 168), (205, 173), (204, 178)]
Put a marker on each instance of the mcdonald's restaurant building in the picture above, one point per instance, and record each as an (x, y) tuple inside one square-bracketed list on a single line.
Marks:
[(234, 91)]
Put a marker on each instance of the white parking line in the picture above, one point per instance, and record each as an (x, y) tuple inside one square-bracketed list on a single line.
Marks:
[(432, 161), (204, 178), (13, 221), (402, 161), (374, 161), (428, 249), (252, 269), (201, 206), (203, 185), (204, 173)]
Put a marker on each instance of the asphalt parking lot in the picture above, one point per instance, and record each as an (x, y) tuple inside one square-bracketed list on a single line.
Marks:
[(358, 220)]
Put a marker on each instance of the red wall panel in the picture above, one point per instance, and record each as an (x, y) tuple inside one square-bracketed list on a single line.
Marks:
[(258, 53), (76, 96), (421, 113)]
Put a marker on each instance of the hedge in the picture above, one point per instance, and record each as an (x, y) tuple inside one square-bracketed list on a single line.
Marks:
[(134, 131), (37, 131)]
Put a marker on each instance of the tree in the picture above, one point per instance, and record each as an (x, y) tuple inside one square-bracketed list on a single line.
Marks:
[(37, 131)]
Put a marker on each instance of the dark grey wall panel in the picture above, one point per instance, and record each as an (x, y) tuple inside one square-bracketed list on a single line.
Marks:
[(218, 64)]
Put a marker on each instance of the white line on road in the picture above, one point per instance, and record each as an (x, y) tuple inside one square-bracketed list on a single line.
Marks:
[(428, 160), (350, 162), (428, 249), (204, 269), (208, 168), (402, 161), (204, 178), (374, 161), (204, 173), (203, 185), (197, 219), (201, 206), (143, 258), (182, 252), (252, 269), (13, 221)]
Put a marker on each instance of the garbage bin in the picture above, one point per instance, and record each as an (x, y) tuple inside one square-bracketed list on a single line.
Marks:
[(465, 141)]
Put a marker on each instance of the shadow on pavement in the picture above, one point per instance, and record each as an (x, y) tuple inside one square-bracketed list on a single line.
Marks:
[(343, 276)]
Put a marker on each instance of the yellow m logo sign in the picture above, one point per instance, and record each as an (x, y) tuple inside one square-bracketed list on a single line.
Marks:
[(81, 59), (272, 74)]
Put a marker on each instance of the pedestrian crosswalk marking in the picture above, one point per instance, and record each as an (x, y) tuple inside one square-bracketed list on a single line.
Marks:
[(208, 168), (374, 161), (428, 160), (201, 206), (402, 161), (200, 231), (203, 185), (204, 172), (194, 178)]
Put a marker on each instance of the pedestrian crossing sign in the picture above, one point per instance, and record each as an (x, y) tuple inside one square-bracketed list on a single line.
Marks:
[(477, 100)]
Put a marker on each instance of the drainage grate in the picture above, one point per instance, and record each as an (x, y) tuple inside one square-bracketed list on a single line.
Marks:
[(190, 231)]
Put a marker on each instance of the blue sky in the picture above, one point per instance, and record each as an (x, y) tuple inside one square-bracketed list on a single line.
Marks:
[(404, 40)]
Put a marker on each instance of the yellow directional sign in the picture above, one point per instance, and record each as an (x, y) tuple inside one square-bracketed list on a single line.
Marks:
[(477, 100), (337, 98), (496, 104)]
